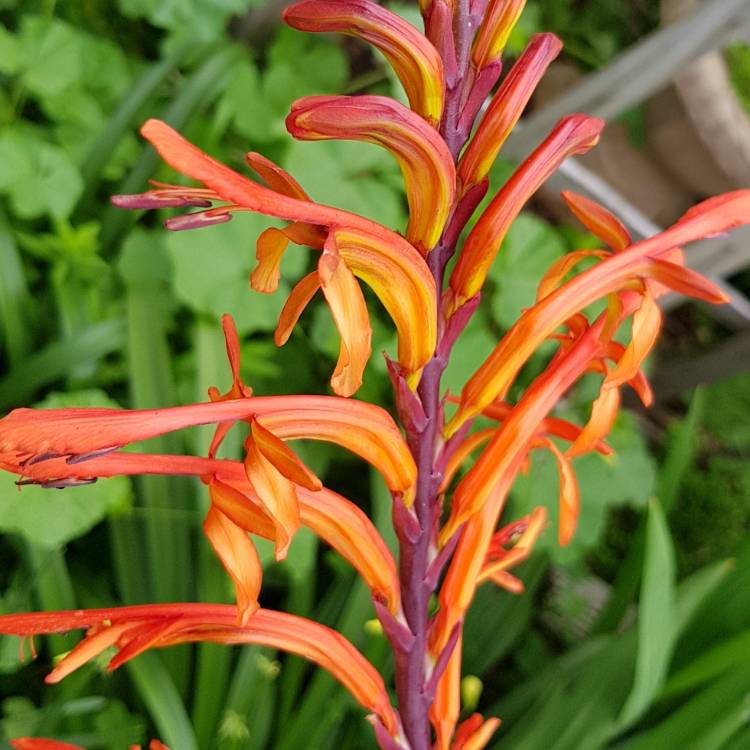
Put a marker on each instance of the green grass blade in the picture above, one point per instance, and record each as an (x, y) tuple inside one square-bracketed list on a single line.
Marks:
[(680, 457), (59, 359), (194, 94), (123, 118), (655, 618), (157, 690), (14, 297)]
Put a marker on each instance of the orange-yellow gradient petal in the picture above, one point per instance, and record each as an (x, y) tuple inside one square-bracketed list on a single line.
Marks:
[(349, 310), (217, 623), (400, 278), (598, 220), (239, 558), (574, 134), (499, 19), (414, 59), (424, 158)]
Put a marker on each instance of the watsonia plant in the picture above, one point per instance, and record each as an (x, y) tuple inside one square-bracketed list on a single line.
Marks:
[(449, 532)]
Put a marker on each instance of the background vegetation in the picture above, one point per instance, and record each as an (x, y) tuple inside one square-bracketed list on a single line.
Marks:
[(100, 306)]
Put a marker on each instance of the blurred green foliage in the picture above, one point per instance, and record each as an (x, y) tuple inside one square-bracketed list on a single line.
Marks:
[(106, 307)]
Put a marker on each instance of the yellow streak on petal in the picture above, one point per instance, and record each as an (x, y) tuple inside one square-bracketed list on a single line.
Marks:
[(499, 19)]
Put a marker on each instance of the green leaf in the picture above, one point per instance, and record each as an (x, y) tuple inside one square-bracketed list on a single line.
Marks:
[(354, 176), (530, 248), (51, 518), (202, 20), (38, 177), (52, 53), (11, 55), (211, 271), (655, 619)]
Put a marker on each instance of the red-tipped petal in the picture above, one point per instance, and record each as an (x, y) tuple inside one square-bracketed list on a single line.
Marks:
[(506, 108), (574, 134), (598, 220), (424, 158)]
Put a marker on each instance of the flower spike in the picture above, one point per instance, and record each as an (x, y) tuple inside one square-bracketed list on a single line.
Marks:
[(416, 62), (574, 134), (424, 158)]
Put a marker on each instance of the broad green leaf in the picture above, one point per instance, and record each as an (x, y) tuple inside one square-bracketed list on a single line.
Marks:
[(52, 55), (354, 176), (11, 56), (211, 271), (656, 613), (530, 248), (38, 176), (51, 518)]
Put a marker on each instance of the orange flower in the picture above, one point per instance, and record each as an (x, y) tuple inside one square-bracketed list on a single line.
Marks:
[(30, 437), (133, 630), (574, 134), (416, 62), (618, 271), (425, 161), (505, 109), (401, 280)]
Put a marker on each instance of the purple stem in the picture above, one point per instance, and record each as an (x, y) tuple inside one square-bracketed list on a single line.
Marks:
[(423, 418)]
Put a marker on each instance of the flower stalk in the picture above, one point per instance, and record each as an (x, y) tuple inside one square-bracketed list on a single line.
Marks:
[(447, 507)]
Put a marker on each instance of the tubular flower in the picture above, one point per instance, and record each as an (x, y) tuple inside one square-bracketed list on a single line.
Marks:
[(574, 134), (505, 109), (415, 61), (401, 280), (30, 437), (133, 630), (618, 271), (425, 161), (499, 19), (446, 708), (475, 733), (238, 192)]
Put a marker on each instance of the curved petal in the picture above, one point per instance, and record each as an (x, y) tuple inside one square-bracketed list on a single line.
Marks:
[(299, 298), (274, 176), (424, 158), (492, 380), (277, 494), (603, 414), (403, 283), (574, 134), (336, 520), (415, 61), (505, 109), (446, 707), (349, 310), (570, 495), (598, 220), (239, 558), (499, 19), (476, 733)]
